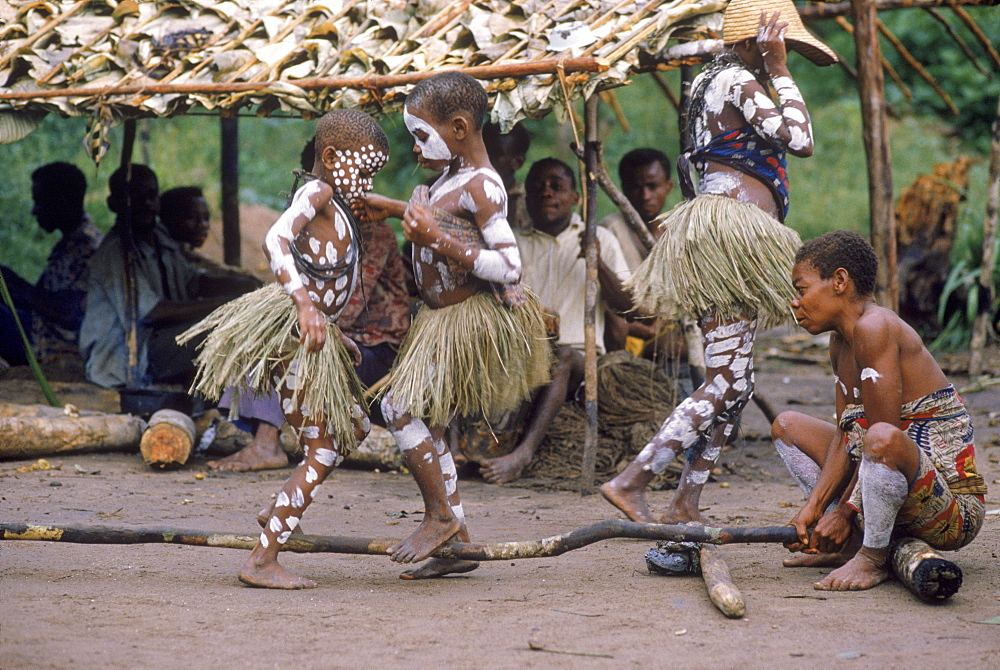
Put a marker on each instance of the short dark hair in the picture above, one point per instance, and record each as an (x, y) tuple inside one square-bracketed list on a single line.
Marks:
[(638, 158), (117, 180), (842, 249), (543, 162), (172, 201), (62, 177), (518, 138), (450, 93), (348, 129)]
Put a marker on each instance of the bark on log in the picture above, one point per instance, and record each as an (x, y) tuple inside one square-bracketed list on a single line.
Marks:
[(721, 590), (24, 437), (502, 551), (926, 573)]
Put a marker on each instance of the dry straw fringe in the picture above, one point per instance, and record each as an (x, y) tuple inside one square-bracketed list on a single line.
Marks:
[(474, 357), (717, 253), (252, 344)]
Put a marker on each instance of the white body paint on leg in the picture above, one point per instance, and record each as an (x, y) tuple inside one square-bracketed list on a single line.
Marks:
[(883, 491)]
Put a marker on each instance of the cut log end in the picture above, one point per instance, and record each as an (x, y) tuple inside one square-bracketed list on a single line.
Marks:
[(926, 573), (165, 446)]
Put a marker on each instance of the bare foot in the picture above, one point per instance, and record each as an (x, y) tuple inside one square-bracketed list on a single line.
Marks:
[(631, 502), (831, 560), (504, 469), (254, 456), (865, 570), (439, 567), (271, 575), (431, 534), (677, 515)]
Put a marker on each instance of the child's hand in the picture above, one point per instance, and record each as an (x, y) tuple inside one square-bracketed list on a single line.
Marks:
[(312, 327), (352, 348), (375, 207), (420, 227)]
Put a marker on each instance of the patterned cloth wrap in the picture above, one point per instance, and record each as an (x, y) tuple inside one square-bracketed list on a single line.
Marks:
[(945, 504), (746, 151), (457, 228)]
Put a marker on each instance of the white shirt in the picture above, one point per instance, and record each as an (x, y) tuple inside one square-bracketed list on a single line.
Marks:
[(555, 272)]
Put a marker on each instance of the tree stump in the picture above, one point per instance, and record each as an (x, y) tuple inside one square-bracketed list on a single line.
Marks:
[(926, 573), (168, 441)]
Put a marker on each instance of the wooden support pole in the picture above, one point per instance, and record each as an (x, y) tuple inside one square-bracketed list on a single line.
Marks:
[(500, 551), (230, 149), (590, 296), (980, 328), (132, 371), (871, 87)]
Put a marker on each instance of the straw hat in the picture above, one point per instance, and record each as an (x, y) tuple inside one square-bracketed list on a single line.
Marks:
[(742, 20)]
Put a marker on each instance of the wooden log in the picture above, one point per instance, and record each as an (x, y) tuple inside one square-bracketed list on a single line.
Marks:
[(501, 551), (926, 573), (24, 437), (168, 440), (721, 590)]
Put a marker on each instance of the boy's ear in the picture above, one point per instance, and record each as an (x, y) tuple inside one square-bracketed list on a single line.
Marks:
[(328, 156), (460, 126), (841, 281)]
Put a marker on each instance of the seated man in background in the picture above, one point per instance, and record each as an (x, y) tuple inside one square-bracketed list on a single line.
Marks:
[(554, 268), (645, 180), (51, 310), (171, 292)]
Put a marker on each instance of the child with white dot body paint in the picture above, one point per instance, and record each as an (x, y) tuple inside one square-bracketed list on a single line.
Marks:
[(724, 256), (901, 453), (477, 346), (313, 249)]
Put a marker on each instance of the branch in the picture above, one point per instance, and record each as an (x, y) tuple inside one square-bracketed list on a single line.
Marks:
[(631, 216), (831, 10)]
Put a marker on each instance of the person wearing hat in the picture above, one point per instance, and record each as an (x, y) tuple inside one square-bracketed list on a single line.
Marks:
[(725, 255)]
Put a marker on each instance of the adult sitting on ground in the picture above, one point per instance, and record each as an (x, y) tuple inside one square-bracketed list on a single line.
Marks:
[(645, 180), (171, 292), (554, 268), (901, 457), (51, 310), (507, 152)]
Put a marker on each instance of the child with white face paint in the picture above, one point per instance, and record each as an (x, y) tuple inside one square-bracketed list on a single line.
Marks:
[(901, 453), (477, 346), (313, 249), (737, 140)]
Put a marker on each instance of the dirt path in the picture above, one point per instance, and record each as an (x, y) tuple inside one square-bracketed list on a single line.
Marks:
[(171, 606)]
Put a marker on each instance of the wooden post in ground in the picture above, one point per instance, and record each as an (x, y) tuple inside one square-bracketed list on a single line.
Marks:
[(980, 329), (129, 261), (871, 88), (230, 141), (590, 149)]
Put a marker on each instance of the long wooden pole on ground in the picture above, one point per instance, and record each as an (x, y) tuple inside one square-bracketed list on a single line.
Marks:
[(230, 153), (980, 328), (500, 551), (590, 297), (871, 88)]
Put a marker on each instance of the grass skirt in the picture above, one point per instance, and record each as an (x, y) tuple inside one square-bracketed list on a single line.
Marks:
[(474, 357), (719, 254), (252, 344)]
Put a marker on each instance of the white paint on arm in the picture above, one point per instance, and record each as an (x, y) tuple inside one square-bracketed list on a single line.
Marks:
[(870, 373), (282, 235)]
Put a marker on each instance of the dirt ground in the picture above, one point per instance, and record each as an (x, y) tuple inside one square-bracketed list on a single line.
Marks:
[(67, 605)]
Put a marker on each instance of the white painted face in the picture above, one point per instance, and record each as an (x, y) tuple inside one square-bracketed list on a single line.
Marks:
[(352, 170), (432, 145)]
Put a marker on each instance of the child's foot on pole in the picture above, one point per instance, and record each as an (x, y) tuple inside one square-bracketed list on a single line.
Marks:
[(432, 533)]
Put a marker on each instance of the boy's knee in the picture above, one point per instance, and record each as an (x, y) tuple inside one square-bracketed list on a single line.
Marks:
[(782, 424), (881, 441)]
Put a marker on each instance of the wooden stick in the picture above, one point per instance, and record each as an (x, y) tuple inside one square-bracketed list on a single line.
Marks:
[(926, 573), (721, 590), (820, 11), (502, 551), (547, 66), (587, 467), (917, 67), (980, 327)]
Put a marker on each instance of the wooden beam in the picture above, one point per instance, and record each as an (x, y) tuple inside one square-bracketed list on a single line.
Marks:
[(871, 87), (590, 150), (230, 150), (818, 12), (980, 328)]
